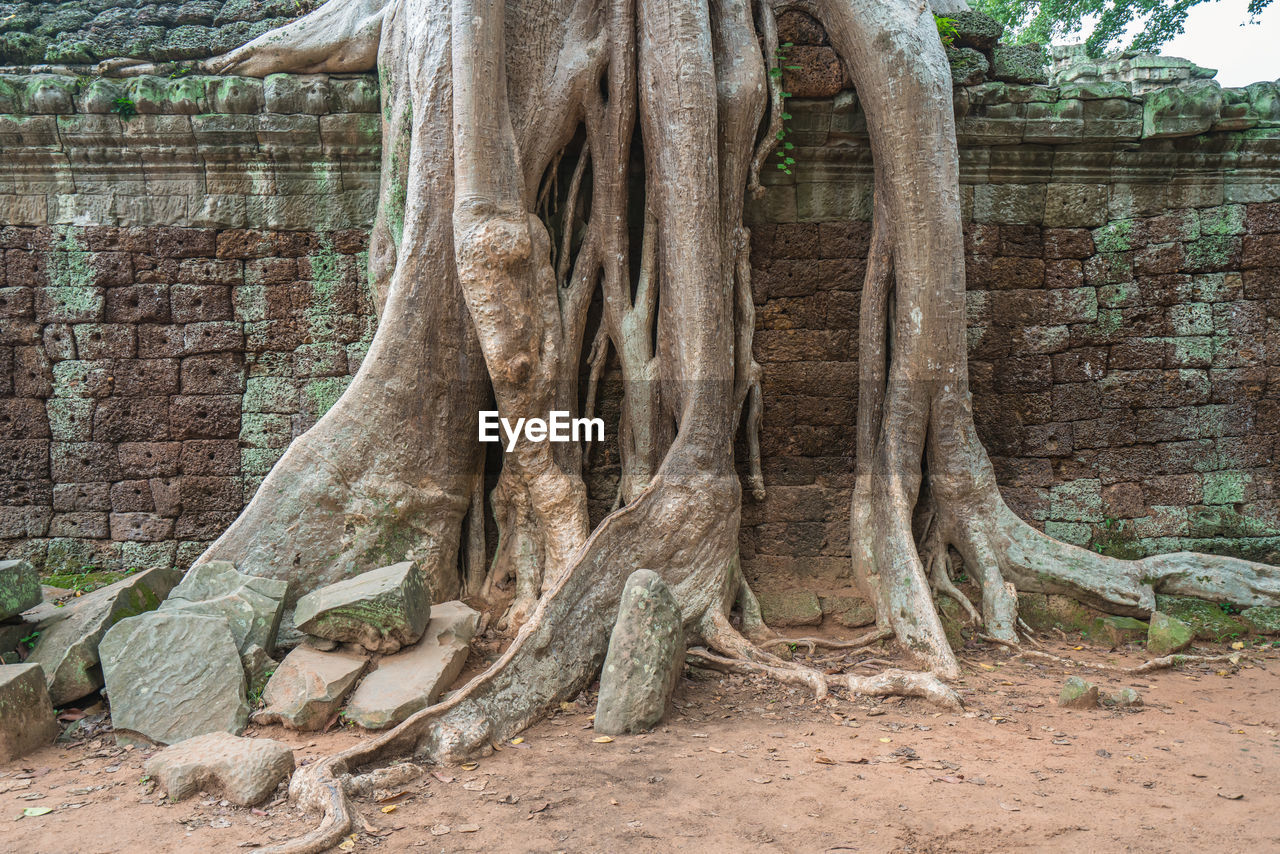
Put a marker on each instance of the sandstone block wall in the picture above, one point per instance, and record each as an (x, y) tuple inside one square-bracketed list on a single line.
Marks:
[(182, 292)]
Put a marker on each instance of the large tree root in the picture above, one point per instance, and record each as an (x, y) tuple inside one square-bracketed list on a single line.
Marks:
[(890, 683)]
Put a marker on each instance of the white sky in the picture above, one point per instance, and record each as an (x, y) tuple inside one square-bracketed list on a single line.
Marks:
[(1214, 38)]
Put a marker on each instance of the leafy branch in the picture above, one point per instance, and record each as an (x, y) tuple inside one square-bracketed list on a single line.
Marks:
[(785, 146)]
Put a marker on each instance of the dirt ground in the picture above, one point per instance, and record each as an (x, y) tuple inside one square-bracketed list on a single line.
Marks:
[(744, 765)]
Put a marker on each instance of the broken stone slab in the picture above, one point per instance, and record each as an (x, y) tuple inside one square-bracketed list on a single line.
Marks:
[(415, 677), (251, 605), (308, 687), (245, 771), (1167, 635), (171, 676), (646, 653), (382, 610), (27, 721), (1078, 694), (67, 648), (19, 587)]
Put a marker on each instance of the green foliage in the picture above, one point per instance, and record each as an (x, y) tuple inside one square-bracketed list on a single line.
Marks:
[(946, 29), (30, 640), (181, 72), (1044, 21), (125, 108), (87, 578), (785, 146)]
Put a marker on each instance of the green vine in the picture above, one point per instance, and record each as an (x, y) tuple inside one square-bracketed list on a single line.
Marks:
[(125, 108), (785, 146)]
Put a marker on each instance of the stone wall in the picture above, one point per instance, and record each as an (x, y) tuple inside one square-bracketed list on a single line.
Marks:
[(182, 292)]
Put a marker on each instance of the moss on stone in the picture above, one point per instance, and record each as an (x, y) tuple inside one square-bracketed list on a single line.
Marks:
[(1208, 621), (1262, 620), (1115, 236), (322, 393), (1022, 63), (1045, 612)]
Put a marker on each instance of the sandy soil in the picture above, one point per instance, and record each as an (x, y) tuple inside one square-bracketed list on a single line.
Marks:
[(744, 765)]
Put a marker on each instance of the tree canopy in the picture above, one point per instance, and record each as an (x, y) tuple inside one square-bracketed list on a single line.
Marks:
[(1044, 21)]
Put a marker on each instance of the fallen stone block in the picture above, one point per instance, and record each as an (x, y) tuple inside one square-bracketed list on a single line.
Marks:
[(172, 676), (415, 677), (19, 587), (245, 771), (646, 655), (1167, 635), (67, 648), (1078, 694), (308, 687), (27, 721), (251, 605), (382, 610)]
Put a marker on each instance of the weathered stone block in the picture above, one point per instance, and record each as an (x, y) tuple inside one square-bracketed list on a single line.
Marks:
[(308, 687), (1184, 110), (1167, 635), (145, 658), (250, 606), (245, 771), (415, 677), (19, 587), (790, 608), (645, 657), (381, 610), (27, 720)]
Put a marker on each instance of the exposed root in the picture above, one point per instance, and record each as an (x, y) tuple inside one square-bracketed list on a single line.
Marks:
[(1163, 663), (890, 683), (721, 636), (753, 625), (904, 683), (872, 637)]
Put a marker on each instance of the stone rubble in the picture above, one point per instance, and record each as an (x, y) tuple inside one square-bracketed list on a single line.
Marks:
[(382, 610), (415, 677), (245, 771), (27, 719), (308, 687)]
